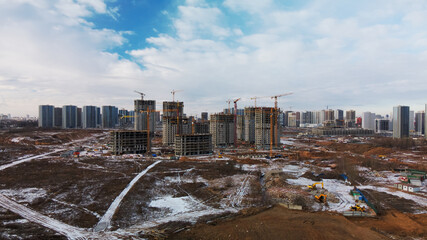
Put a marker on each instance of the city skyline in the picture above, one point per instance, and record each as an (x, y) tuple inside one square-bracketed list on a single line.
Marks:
[(224, 109), (363, 56)]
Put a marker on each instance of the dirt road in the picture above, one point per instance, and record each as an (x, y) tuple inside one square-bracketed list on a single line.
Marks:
[(2, 167), (33, 216), (105, 221)]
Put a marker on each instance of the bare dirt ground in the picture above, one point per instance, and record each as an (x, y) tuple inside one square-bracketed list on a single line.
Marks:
[(281, 223), (69, 183), (227, 198), (177, 179), (396, 224), (16, 144), (13, 225)]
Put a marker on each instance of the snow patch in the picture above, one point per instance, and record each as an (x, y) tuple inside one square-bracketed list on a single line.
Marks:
[(337, 187), (300, 181), (248, 167), (17, 221), (184, 179), (24, 195), (294, 170), (363, 169), (17, 139), (287, 142), (175, 205)]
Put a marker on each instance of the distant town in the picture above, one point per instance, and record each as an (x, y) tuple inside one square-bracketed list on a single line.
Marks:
[(259, 126)]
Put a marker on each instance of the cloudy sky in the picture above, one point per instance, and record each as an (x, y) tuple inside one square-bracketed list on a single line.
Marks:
[(363, 55)]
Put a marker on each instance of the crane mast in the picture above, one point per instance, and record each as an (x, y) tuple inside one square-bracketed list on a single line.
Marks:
[(173, 94), (235, 121)]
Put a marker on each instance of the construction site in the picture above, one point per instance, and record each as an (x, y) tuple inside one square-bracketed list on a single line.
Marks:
[(227, 176)]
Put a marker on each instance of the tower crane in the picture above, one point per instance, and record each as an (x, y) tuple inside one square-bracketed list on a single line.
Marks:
[(235, 121), (277, 96), (255, 98), (275, 121), (140, 93), (173, 94), (229, 108)]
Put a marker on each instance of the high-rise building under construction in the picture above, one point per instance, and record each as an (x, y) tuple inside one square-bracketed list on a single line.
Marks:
[(222, 129), (267, 128), (249, 125), (173, 122), (143, 109)]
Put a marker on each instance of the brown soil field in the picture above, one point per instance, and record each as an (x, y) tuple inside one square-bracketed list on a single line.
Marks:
[(397, 224), (13, 226), (352, 147), (281, 223), (36, 141), (135, 207), (385, 202), (379, 151), (79, 183)]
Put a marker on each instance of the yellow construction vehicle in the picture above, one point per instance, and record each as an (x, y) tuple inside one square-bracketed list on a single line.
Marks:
[(321, 198), (357, 207), (313, 186)]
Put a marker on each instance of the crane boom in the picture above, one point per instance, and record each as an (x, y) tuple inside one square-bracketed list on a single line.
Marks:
[(140, 93), (277, 96), (255, 98)]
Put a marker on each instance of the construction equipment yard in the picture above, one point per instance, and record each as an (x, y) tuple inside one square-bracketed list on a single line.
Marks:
[(58, 184)]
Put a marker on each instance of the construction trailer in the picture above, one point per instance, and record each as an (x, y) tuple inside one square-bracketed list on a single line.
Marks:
[(407, 187), (193, 144), (129, 142)]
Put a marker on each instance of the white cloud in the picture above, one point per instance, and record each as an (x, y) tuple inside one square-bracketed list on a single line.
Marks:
[(325, 57), (50, 54), (327, 52), (253, 6), (196, 21)]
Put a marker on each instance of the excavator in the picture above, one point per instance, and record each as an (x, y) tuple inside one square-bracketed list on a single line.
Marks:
[(357, 207), (321, 198), (313, 186)]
